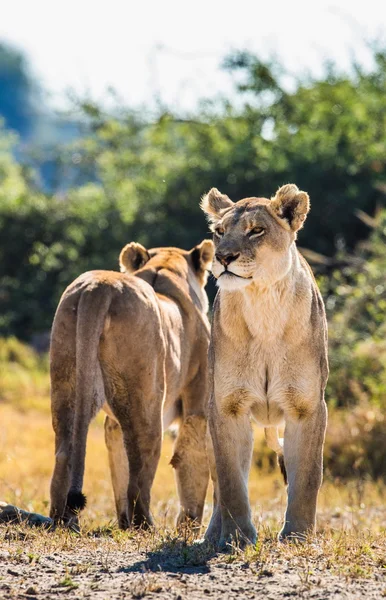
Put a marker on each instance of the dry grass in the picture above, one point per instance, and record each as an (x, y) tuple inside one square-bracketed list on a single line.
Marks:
[(350, 544), (26, 463), (350, 547), (352, 553)]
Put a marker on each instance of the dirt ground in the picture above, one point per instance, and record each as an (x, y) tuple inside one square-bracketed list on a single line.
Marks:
[(136, 575), (109, 564)]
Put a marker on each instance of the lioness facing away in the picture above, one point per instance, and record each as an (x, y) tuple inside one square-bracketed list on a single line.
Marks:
[(268, 358), (135, 344)]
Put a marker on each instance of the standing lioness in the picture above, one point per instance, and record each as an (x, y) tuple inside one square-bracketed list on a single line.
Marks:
[(134, 343), (268, 357)]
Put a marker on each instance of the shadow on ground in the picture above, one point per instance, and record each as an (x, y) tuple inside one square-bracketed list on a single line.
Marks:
[(175, 556)]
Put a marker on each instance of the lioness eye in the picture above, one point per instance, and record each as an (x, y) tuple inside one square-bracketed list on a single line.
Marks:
[(219, 231), (256, 231)]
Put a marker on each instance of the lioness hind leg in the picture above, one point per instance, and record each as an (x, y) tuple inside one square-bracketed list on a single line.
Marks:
[(140, 419), (233, 442), (143, 446), (303, 457), (191, 468), (119, 469), (60, 482), (65, 503)]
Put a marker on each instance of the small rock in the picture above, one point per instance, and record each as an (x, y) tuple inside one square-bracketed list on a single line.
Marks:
[(31, 591)]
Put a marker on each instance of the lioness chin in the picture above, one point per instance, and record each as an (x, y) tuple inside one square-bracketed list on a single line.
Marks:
[(268, 359), (135, 344)]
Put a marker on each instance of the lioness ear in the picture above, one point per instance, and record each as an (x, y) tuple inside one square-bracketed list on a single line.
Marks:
[(132, 257), (291, 205), (214, 203), (202, 255)]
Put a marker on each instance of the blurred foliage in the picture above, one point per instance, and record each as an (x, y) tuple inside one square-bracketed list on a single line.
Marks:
[(47, 241), (356, 306), (139, 176), (328, 136), (354, 447), (355, 444)]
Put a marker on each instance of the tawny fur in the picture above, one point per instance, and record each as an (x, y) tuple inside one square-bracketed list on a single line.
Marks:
[(268, 358), (135, 344)]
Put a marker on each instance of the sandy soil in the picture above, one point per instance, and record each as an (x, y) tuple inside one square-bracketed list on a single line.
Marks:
[(175, 571), (105, 563)]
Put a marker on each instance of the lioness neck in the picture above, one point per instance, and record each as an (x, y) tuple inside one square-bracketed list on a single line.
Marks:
[(267, 310)]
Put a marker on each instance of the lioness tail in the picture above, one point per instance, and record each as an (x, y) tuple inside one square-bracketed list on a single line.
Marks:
[(95, 302)]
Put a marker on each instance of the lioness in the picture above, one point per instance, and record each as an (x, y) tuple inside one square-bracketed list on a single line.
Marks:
[(268, 358), (135, 344)]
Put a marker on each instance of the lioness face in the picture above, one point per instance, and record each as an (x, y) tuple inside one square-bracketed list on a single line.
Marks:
[(252, 237), (249, 246)]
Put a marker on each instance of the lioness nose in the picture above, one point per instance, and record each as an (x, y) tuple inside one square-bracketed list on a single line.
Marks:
[(226, 259)]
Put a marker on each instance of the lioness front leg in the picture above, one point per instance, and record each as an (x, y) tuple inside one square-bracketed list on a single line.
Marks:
[(189, 455), (303, 457), (191, 467), (233, 443), (213, 533)]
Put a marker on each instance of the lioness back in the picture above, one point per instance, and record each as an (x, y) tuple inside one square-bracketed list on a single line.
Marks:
[(122, 290)]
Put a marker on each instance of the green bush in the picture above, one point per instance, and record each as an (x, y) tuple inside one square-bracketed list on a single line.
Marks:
[(139, 176), (356, 309)]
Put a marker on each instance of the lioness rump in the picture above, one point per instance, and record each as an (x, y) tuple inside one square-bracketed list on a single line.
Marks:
[(268, 358), (134, 343)]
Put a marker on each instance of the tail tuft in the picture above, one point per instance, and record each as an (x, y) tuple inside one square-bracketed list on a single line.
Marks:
[(280, 460), (76, 501)]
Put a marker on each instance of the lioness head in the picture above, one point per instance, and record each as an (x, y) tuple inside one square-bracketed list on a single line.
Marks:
[(253, 237), (190, 265)]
